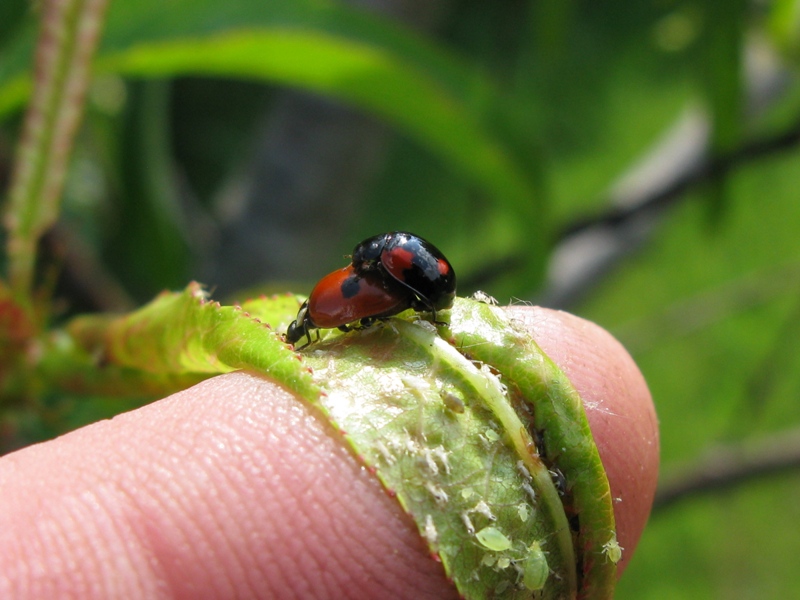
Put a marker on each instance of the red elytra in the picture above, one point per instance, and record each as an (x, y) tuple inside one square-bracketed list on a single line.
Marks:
[(345, 297)]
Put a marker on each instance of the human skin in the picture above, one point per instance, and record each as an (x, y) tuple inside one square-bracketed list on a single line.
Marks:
[(235, 488)]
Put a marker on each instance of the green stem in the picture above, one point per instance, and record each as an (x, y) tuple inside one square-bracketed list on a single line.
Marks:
[(70, 30)]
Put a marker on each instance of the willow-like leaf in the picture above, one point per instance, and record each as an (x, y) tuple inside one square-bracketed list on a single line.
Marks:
[(428, 93)]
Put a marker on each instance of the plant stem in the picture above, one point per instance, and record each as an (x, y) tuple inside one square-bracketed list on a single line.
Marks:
[(70, 30)]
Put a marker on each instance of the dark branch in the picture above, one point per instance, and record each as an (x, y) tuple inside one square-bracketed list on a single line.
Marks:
[(730, 466), (589, 248), (706, 171)]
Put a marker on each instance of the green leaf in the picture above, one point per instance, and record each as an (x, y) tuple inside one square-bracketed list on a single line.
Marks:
[(183, 334), (492, 338), (479, 495), (784, 25), (367, 76), (444, 430), (440, 101), (321, 47), (724, 83), (153, 254)]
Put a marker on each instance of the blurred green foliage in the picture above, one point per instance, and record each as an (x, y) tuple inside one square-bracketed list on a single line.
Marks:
[(509, 122)]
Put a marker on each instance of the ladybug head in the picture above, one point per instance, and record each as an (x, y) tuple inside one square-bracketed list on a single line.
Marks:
[(299, 327), (368, 253)]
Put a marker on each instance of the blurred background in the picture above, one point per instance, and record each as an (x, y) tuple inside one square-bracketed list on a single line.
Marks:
[(634, 162)]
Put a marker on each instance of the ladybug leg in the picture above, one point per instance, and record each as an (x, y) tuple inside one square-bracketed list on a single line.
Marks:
[(422, 304), (362, 324), (307, 334), (367, 322), (434, 320)]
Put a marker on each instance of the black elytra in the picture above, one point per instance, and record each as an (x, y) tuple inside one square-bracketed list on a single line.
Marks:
[(413, 262)]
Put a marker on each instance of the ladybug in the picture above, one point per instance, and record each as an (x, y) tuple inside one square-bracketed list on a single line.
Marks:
[(414, 263), (346, 296)]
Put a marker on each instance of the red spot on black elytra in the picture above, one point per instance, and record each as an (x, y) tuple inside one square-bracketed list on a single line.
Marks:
[(400, 259)]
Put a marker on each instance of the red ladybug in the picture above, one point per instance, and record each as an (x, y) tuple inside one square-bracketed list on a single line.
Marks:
[(344, 297), (414, 263)]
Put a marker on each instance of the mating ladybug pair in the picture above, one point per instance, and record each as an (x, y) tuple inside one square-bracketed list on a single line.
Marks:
[(389, 273)]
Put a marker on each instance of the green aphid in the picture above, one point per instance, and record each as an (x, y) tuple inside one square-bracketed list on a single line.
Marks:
[(492, 539), (535, 571)]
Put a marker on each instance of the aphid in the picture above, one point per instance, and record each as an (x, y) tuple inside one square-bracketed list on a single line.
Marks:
[(493, 539), (535, 570), (612, 549)]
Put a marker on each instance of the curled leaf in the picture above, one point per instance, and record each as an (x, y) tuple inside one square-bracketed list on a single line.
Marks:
[(451, 423)]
